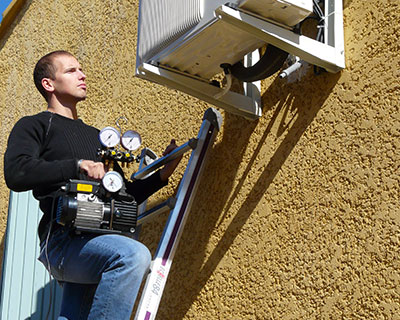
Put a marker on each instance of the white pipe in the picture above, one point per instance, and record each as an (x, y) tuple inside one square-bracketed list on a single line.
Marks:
[(290, 70), (226, 88)]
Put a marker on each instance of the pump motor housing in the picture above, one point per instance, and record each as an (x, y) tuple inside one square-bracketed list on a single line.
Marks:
[(87, 207)]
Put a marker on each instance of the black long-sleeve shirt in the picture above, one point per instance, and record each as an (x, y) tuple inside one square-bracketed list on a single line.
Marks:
[(42, 155)]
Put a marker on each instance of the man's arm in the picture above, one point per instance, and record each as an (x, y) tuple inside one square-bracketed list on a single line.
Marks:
[(170, 167), (23, 167), (142, 189)]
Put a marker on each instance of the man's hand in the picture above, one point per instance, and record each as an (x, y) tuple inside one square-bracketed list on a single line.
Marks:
[(94, 170), (169, 168)]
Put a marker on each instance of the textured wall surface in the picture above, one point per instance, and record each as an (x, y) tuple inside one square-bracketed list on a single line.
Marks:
[(298, 213)]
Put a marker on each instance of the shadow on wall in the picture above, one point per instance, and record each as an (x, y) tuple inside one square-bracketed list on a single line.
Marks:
[(295, 107)]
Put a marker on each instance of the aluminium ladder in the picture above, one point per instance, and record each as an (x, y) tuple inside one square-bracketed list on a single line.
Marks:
[(161, 264)]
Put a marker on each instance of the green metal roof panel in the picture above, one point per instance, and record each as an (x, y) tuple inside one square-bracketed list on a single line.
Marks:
[(26, 285)]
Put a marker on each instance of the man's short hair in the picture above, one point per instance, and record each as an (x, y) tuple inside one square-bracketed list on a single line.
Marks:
[(45, 69)]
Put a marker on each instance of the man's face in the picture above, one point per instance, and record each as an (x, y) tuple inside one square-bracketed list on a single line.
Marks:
[(69, 83)]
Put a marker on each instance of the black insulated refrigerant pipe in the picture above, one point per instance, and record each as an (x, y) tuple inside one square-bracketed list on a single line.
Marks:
[(271, 61)]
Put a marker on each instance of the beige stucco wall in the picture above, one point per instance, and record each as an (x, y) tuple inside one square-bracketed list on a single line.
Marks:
[(298, 214)]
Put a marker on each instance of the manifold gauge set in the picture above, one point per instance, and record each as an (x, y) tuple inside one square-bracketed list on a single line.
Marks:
[(104, 207), (110, 138)]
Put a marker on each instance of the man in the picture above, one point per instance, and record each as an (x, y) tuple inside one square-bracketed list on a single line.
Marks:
[(101, 274)]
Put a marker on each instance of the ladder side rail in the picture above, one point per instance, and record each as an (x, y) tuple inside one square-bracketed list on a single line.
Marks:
[(156, 280)]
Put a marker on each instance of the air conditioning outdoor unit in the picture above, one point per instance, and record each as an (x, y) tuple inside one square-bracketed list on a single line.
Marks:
[(182, 44)]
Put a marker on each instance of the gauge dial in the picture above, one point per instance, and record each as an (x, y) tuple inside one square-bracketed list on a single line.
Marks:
[(112, 181), (109, 137), (131, 140)]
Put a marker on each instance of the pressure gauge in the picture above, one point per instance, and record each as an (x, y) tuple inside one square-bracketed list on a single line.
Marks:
[(131, 140), (112, 181), (109, 137)]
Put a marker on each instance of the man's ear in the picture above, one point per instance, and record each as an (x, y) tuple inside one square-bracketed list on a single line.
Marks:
[(48, 84)]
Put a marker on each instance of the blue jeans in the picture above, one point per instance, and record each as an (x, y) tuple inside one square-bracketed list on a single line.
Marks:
[(101, 274)]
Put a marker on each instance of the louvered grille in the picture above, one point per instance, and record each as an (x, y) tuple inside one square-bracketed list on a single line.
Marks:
[(165, 21)]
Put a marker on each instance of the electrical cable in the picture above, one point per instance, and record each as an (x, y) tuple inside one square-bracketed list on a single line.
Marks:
[(225, 89), (52, 220), (317, 9), (320, 37)]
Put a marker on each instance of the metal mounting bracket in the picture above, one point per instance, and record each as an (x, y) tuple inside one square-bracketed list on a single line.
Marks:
[(247, 105), (328, 55)]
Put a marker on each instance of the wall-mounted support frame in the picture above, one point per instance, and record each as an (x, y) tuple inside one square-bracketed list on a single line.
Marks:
[(248, 105), (328, 55)]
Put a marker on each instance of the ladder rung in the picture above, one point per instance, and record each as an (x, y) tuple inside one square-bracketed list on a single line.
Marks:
[(191, 144)]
